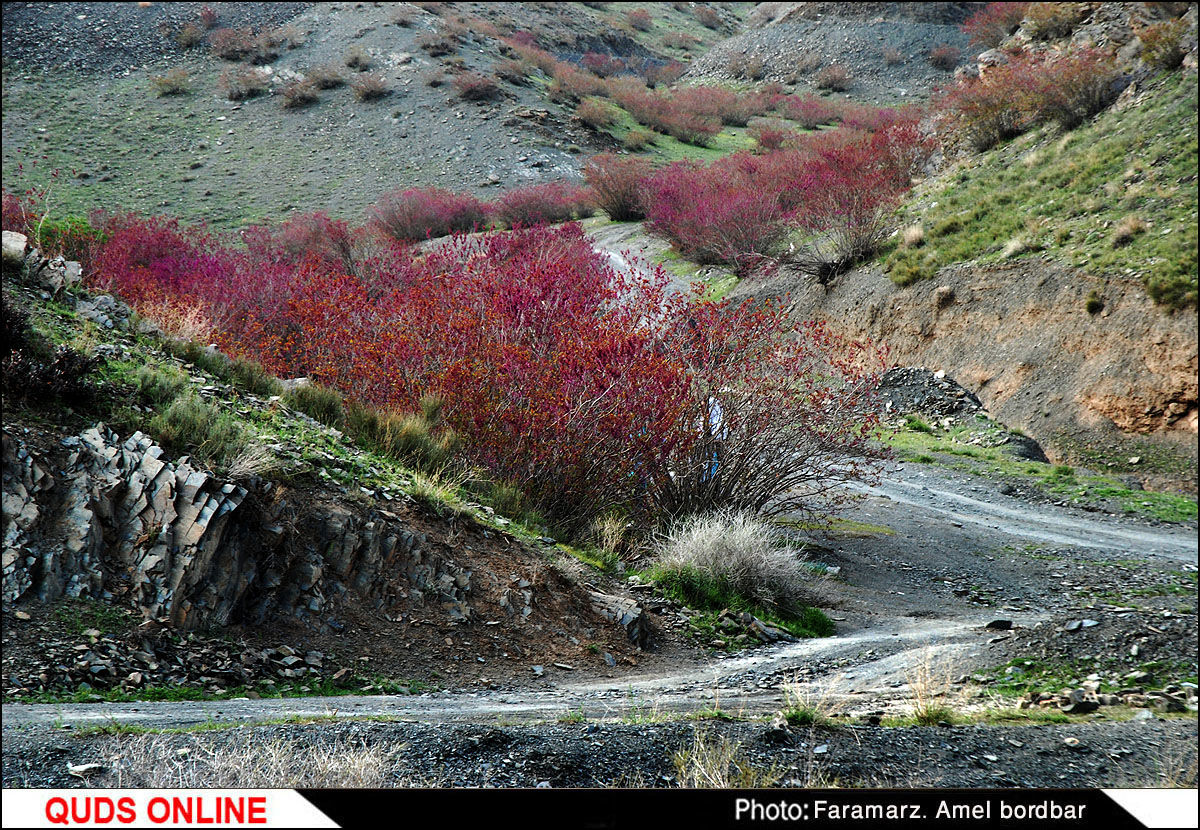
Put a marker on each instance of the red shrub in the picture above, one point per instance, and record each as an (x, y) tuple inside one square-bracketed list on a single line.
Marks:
[(575, 84), (639, 19), (664, 74), (21, 213), (596, 113), (989, 26), (602, 65), (944, 57), (722, 104), (232, 44), (1163, 45), (811, 112), (849, 190), (715, 214), (770, 136), (990, 109), (708, 17), (472, 86), (1072, 88), (208, 17), (541, 204), (579, 384), (1010, 98), (420, 213), (617, 185)]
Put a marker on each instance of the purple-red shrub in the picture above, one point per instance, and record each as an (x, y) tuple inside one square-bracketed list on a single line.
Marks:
[(602, 65), (812, 112), (617, 185), (715, 214), (580, 384), (541, 204), (421, 213), (771, 136), (989, 26)]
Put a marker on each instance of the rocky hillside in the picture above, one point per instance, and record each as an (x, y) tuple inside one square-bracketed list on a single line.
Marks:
[(885, 47)]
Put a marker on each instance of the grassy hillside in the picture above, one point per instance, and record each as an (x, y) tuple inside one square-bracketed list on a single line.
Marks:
[(1115, 197)]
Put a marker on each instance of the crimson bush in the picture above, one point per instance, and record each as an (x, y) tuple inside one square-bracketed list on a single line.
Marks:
[(420, 213)]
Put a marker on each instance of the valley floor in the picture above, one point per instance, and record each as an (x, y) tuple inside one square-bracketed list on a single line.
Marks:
[(924, 563)]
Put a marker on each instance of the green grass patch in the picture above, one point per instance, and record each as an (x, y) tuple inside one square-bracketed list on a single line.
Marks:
[(1024, 675), (1116, 196), (76, 616), (946, 448), (700, 590)]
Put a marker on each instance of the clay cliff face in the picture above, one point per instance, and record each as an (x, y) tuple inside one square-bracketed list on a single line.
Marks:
[(1020, 337)]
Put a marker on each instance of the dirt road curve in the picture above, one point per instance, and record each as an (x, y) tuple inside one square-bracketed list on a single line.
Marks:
[(893, 606)]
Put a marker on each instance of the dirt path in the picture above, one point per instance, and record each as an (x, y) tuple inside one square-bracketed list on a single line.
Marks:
[(897, 611)]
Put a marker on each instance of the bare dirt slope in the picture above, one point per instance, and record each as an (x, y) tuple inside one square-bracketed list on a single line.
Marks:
[(1104, 388)]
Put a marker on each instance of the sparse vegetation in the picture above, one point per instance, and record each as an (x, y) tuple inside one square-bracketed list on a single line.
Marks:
[(835, 77), (369, 86), (299, 94), (357, 58), (717, 763), (242, 83), (326, 77), (174, 82), (472, 86), (944, 57)]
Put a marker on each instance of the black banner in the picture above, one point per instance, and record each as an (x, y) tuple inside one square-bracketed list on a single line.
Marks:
[(695, 809)]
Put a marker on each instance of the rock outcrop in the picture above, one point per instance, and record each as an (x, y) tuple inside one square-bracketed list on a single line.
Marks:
[(112, 519)]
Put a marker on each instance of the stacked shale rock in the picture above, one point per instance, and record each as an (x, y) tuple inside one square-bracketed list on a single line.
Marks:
[(108, 519)]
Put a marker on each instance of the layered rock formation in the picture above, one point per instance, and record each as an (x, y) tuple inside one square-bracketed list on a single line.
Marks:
[(111, 519)]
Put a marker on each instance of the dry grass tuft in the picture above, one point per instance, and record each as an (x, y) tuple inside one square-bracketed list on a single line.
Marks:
[(912, 237), (246, 761), (1127, 229), (717, 762), (743, 553)]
